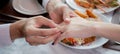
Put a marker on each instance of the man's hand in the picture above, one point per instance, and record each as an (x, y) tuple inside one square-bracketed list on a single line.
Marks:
[(32, 31)]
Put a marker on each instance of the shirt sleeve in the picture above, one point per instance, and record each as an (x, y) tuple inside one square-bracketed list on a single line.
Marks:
[(5, 39), (44, 3)]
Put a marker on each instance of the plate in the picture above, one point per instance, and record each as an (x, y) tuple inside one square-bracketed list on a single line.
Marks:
[(117, 42), (73, 5), (99, 41), (28, 7)]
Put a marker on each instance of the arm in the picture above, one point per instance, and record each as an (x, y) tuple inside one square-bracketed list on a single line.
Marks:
[(86, 28), (108, 30), (30, 29)]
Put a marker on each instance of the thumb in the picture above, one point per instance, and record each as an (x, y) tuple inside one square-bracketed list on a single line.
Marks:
[(66, 17), (55, 17)]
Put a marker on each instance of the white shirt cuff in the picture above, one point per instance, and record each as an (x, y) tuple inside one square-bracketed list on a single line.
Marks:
[(44, 3), (5, 39)]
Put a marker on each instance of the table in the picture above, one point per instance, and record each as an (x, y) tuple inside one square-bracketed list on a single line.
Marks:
[(8, 10)]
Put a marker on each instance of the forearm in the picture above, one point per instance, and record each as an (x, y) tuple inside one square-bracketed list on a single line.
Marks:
[(16, 29), (14, 32), (108, 30)]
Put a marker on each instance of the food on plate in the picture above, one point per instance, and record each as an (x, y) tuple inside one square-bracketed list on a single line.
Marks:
[(113, 3), (99, 4), (78, 41), (90, 13), (87, 14), (83, 3), (81, 14)]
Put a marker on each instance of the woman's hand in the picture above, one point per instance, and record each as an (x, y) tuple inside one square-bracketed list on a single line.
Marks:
[(77, 28), (59, 11), (32, 31)]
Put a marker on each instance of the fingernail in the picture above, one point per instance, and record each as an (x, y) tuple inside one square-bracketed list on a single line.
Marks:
[(67, 20)]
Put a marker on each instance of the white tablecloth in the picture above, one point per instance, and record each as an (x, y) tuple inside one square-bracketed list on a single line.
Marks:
[(21, 47)]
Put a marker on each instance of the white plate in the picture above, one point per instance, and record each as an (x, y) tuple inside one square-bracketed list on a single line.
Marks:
[(98, 42), (28, 7), (73, 5), (117, 42)]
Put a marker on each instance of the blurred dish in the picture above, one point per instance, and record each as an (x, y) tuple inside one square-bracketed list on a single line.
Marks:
[(78, 41), (28, 7), (90, 42), (97, 43), (73, 5)]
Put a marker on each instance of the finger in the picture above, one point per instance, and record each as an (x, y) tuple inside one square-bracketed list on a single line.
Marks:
[(66, 16), (44, 21), (69, 14), (67, 20), (36, 40), (73, 14), (33, 31), (55, 17), (52, 38), (46, 32)]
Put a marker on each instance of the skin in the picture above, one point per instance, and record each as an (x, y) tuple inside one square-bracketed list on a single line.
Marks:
[(32, 31), (86, 28), (59, 11)]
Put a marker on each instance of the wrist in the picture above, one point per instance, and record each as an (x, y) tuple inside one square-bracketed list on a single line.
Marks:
[(16, 30), (93, 28), (97, 28)]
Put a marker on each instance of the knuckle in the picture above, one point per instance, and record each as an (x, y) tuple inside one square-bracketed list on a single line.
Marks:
[(28, 40), (41, 33), (39, 16), (31, 43)]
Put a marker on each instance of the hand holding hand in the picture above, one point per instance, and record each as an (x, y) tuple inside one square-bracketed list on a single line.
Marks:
[(77, 28), (32, 31)]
